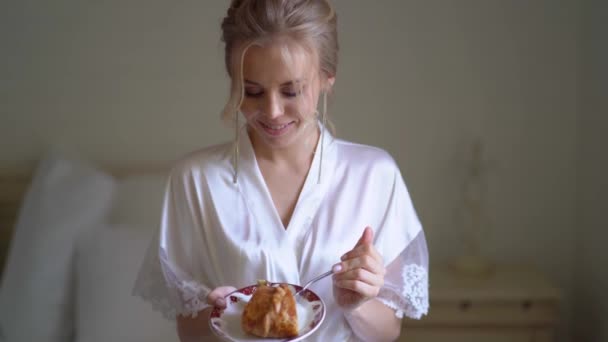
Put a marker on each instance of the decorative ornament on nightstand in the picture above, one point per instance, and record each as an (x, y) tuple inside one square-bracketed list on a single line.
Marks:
[(472, 216)]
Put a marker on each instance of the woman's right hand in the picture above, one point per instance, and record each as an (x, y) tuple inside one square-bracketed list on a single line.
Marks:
[(195, 329), (217, 296)]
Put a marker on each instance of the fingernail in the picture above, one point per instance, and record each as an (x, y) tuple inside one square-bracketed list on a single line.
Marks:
[(220, 302), (337, 268)]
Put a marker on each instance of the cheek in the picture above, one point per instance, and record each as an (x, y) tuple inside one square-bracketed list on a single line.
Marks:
[(303, 107), (249, 109), (294, 108)]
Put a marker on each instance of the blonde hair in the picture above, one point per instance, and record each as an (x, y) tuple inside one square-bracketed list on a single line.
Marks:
[(249, 22)]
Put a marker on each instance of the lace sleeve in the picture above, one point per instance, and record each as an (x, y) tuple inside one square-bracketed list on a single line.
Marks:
[(406, 284), (167, 289), (168, 277)]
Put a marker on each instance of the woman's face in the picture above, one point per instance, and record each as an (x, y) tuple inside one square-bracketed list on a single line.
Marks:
[(282, 87)]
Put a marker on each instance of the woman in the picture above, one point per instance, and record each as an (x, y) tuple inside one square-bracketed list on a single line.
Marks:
[(287, 201)]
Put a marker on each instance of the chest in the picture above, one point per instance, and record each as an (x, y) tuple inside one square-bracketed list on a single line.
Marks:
[(326, 222), (284, 187)]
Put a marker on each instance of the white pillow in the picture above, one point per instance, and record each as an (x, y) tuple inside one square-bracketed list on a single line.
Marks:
[(107, 262), (35, 298)]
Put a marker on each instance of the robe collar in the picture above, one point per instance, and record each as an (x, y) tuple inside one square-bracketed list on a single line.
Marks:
[(252, 185)]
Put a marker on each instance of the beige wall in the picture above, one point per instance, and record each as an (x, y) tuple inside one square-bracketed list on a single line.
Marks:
[(591, 276), (434, 74), (122, 79), (144, 80)]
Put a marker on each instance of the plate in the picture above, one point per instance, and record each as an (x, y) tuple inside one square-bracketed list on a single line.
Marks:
[(227, 323)]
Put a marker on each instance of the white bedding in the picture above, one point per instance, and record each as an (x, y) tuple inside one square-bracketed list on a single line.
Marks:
[(78, 243)]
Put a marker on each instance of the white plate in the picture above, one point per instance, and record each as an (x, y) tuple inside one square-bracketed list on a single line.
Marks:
[(227, 323)]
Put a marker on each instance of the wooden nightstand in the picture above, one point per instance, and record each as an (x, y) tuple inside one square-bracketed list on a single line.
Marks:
[(513, 304)]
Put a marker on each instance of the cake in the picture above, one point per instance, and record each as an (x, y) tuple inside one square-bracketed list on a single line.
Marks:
[(271, 312)]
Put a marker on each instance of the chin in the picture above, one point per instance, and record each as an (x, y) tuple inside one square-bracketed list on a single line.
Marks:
[(279, 142)]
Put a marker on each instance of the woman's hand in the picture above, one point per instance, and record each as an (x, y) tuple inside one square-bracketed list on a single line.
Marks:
[(217, 296), (195, 329), (360, 275)]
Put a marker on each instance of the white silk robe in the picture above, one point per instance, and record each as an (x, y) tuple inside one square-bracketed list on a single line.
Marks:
[(215, 232)]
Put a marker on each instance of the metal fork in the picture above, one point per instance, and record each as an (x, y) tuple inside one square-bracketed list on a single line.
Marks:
[(314, 280)]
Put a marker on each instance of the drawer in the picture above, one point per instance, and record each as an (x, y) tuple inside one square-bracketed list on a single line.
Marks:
[(488, 314), (474, 335)]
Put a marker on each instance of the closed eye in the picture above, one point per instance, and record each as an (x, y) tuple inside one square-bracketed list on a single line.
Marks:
[(257, 94), (253, 93), (292, 91), (288, 89)]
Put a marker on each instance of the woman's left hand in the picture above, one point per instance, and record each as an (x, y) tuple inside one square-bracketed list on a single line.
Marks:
[(360, 275)]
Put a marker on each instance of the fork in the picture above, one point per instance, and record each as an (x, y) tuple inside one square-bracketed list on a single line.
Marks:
[(314, 280)]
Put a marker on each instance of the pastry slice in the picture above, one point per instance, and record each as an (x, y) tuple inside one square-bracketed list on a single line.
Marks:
[(271, 312)]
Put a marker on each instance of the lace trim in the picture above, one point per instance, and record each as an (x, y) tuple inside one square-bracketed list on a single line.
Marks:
[(194, 297), (170, 296), (412, 300), (162, 305)]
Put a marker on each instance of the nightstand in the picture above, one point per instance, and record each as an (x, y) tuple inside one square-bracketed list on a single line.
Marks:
[(513, 304)]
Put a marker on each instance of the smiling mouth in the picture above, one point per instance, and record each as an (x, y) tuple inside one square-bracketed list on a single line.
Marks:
[(275, 129)]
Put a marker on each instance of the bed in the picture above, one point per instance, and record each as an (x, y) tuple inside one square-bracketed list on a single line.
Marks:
[(72, 237)]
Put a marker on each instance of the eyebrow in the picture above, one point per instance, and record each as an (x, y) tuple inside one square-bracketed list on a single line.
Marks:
[(282, 84)]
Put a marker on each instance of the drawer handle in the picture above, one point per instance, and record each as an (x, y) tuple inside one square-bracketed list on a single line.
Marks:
[(526, 305), (465, 305)]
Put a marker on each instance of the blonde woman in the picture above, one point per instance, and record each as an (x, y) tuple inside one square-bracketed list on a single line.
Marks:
[(286, 200)]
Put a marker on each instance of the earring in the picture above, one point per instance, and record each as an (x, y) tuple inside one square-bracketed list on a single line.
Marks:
[(236, 149), (323, 123)]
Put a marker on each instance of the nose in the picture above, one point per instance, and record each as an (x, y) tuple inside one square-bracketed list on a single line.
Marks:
[(272, 106)]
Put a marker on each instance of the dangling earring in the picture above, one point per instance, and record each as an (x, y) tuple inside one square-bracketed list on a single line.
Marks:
[(323, 123), (236, 149)]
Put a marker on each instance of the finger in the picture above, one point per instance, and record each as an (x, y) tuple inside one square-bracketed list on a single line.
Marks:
[(359, 287), (367, 237), (362, 275), (361, 251), (216, 297), (365, 261)]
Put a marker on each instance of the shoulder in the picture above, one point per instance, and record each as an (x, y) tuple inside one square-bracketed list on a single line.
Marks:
[(366, 157), (204, 161)]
